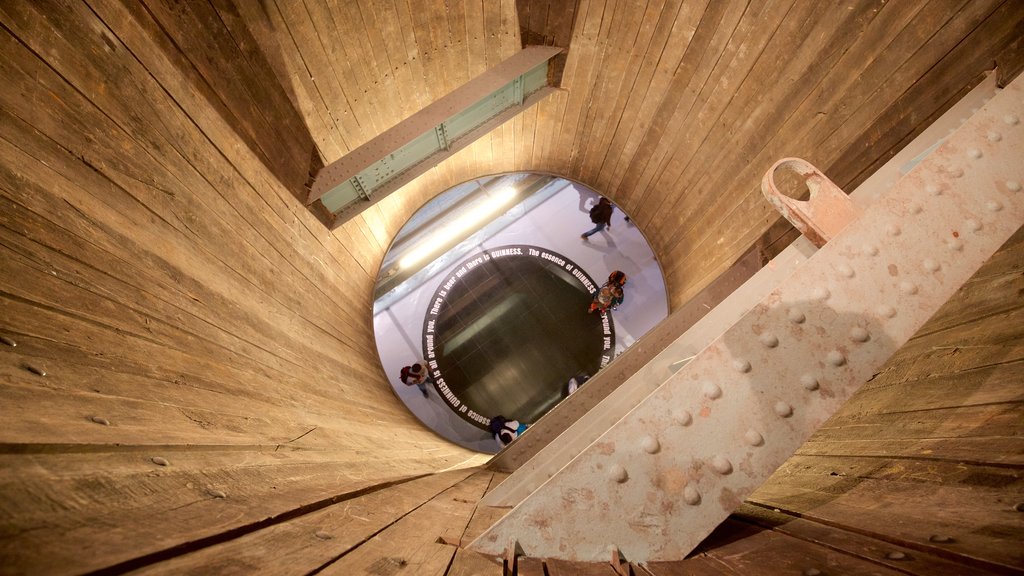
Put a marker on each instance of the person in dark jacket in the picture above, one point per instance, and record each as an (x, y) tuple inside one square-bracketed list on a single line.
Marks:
[(601, 216)]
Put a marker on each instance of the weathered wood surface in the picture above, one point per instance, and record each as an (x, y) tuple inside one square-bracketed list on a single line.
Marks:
[(313, 540), (156, 264), (412, 542)]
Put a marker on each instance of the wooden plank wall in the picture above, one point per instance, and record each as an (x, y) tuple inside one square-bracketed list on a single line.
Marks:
[(675, 109), (207, 345), (209, 359)]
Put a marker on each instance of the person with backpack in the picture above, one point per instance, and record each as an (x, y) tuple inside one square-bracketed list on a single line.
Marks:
[(601, 216), (417, 375), (504, 430)]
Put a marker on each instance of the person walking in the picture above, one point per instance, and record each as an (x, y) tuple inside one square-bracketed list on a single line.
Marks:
[(601, 216)]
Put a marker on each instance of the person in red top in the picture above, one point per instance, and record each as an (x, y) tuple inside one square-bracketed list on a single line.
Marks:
[(417, 375)]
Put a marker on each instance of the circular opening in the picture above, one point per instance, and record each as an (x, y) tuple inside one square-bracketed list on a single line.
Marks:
[(485, 303)]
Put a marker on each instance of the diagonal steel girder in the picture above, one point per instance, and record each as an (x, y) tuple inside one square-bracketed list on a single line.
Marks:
[(663, 477)]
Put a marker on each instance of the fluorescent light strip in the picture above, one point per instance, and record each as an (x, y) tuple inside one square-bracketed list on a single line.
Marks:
[(472, 219)]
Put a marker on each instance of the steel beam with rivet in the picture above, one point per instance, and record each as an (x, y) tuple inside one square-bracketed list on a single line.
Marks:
[(761, 389)]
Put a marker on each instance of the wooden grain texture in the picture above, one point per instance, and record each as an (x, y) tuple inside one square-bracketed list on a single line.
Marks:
[(411, 543), (312, 540), (745, 549), (155, 262)]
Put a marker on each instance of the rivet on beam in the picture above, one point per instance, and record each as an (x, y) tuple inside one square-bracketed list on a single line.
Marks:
[(712, 390), (690, 495), (216, 493), (809, 382), (618, 474), (100, 420), (753, 437), (8, 341), (35, 369), (160, 461), (721, 465), (858, 334), (896, 555), (650, 445), (835, 358), (682, 417), (796, 316)]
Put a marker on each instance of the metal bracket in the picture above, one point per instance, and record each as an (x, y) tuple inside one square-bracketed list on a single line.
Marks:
[(823, 215), (668, 472)]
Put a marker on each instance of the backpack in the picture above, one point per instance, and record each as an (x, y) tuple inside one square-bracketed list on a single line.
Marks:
[(599, 213), (497, 424)]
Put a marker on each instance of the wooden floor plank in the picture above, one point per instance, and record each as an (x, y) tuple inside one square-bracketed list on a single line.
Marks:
[(310, 541), (739, 549), (977, 513), (411, 543), (920, 558)]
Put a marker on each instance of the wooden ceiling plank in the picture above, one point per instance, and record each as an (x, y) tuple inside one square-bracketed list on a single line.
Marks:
[(745, 549), (156, 190), (419, 97), (739, 56), (281, 53), (427, 28), (729, 36), (586, 48), (714, 28), (859, 92), (623, 34), (458, 44), (788, 69), (914, 560), (676, 25), (966, 62), (595, 83), (296, 20), (195, 29), (286, 208), (263, 60), (640, 51), (406, 96), (351, 57), (84, 204), (104, 348)]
